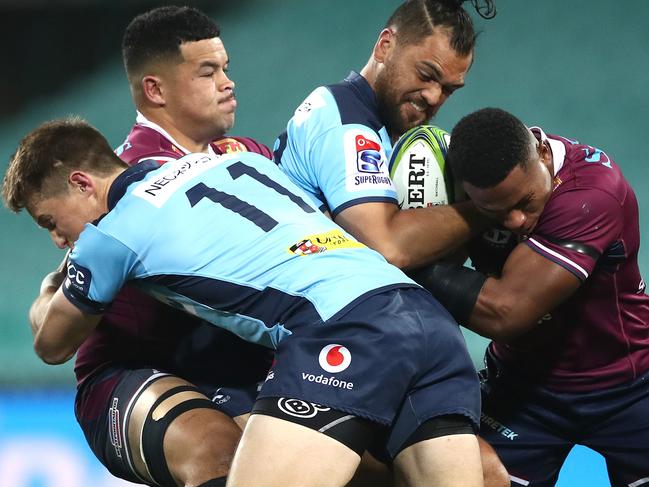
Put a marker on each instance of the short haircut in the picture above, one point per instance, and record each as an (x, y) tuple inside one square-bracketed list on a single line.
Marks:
[(486, 145), (415, 20), (156, 35), (45, 157)]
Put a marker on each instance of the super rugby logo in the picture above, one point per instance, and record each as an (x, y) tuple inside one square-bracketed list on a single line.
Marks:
[(334, 358), (365, 162), (368, 155)]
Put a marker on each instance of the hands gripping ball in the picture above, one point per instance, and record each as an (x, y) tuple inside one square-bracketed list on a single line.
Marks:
[(418, 168)]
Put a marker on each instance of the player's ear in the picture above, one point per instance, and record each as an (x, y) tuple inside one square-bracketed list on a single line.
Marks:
[(384, 45), (152, 90), (544, 151), (81, 181)]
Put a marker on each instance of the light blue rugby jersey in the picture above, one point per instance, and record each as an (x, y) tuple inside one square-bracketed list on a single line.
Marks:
[(336, 148), (228, 238)]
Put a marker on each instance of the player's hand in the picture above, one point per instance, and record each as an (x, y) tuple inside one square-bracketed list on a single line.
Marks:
[(54, 279)]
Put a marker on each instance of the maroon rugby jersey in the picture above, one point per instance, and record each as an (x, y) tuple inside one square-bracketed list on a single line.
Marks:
[(139, 331), (599, 337)]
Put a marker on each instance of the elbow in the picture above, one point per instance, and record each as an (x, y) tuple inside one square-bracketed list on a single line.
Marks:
[(496, 321), (502, 333), (397, 257), (52, 355), (406, 259)]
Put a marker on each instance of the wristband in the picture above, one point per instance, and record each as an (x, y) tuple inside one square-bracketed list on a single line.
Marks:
[(455, 287)]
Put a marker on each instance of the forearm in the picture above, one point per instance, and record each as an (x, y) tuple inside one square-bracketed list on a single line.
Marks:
[(61, 330), (475, 301), (39, 307), (500, 315), (415, 237), (426, 235)]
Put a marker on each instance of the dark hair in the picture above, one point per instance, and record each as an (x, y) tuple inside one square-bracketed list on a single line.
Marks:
[(48, 154), (486, 145), (157, 35), (414, 20)]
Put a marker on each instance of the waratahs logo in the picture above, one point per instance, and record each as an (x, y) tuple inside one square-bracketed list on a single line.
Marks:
[(368, 155), (334, 358)]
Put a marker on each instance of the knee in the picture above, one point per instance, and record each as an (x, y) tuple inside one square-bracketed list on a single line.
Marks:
[(199, 445)]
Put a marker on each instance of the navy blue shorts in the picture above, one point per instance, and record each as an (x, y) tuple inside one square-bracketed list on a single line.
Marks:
[(103, 404), (533, 428), (396, 358)]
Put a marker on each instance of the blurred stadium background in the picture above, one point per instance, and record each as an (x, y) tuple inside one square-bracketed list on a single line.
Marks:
[(578, 68)]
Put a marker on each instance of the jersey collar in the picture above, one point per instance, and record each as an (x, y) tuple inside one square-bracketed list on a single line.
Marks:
[(556, 146), (128, 177), (140, 119), (363, 89)]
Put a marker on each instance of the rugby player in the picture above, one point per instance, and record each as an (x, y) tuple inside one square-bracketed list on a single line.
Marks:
[(569, 360), (421, 57), (328, 311), (138, 356)]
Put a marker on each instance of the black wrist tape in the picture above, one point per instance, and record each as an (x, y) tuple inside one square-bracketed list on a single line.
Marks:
[(456, 287)]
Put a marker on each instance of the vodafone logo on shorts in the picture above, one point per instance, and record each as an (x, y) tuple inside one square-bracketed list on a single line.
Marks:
[(334, 358)]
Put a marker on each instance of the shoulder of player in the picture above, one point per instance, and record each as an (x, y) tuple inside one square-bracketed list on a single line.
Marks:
[(146, 143), (586, 182), (356, 104)]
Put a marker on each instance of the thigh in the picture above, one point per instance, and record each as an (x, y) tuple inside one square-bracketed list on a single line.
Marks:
[(530, 445), (142, 424), (446, 461), (623, 436), (307, 456)]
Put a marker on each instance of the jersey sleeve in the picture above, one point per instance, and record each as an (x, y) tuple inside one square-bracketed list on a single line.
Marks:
[(98, 267), (577, 227), (351, 167), (338, 165)]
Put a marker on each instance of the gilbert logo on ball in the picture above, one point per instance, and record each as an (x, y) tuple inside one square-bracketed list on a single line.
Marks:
[(334, 358), (418, 168)]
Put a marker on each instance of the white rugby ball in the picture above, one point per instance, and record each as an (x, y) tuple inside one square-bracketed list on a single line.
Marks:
[(418, 168)]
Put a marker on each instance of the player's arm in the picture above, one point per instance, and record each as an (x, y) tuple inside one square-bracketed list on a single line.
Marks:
[(50, 283), (64, 316), (501, 308), (530, 286), (60, 327), (414, 237)]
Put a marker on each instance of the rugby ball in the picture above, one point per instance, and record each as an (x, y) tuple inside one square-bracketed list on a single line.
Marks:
[(418, 168)]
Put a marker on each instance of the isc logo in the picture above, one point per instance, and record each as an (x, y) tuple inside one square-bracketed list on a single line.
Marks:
[(79, 278), (76, 275)]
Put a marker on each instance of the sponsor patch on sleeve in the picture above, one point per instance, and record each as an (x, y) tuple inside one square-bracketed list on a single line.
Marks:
[(366, 165), (320, 242), (78, 279)]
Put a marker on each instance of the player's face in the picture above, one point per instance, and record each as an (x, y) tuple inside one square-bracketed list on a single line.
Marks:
[(417, 79), (518, 201), (200, 99), (64, 216)]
